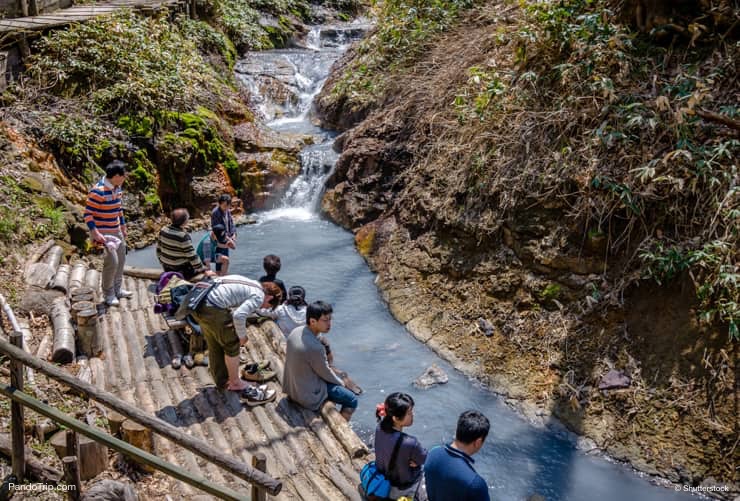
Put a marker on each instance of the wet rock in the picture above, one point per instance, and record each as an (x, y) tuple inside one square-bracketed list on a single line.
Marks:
[(486, 327), (614, 380), (250, 137), (586, 444), (433, 376)]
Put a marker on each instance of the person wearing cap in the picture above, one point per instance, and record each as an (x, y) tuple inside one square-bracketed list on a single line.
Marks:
[(308, 380), (104, 218), (223, 222), (225, 331)]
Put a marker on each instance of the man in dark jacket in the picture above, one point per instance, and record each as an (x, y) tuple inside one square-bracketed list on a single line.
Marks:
[(449, 471)]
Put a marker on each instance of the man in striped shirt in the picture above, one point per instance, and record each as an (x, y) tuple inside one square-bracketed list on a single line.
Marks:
[(104, 218), (175, 249)]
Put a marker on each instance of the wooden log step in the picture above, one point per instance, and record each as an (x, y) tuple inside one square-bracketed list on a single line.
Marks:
[(146, 273), (60, 280), (63, 350), (77, 275)]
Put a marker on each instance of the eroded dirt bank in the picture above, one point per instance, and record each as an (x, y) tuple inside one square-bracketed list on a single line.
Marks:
[(493, 245)]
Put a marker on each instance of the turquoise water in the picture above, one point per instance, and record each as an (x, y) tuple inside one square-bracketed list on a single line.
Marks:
[(517, 460)]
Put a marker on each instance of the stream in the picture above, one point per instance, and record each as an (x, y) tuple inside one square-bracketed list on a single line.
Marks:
[(518, 459)]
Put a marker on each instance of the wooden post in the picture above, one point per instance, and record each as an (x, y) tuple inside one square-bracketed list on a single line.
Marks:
[(73, 443), (259, 462), (16, 412), (193, 11), (72, 477), (140, 437), (24, 11), (92, 456)]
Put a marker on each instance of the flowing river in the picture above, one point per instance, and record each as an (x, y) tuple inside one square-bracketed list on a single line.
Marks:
[(518, 459)]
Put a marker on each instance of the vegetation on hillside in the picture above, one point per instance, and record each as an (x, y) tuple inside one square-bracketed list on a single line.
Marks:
[(158, 91), (635, 132)]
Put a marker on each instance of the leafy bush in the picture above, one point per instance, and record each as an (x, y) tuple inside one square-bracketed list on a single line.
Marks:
[(127, 64), (208, 39)]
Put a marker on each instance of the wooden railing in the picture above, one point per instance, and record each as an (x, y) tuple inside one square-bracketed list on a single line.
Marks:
[(262, 483)]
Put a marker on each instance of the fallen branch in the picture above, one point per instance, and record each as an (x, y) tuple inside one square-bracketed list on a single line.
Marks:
[(37, 470), (717, 117)]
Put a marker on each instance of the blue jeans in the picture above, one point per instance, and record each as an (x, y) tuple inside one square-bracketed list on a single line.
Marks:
[(342, 396)]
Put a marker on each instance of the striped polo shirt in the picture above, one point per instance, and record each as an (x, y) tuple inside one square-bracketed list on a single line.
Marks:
[(175, 248), (103, 209)]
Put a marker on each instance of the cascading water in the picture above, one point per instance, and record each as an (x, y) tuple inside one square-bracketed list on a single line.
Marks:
[(283, 85), (518, 459)]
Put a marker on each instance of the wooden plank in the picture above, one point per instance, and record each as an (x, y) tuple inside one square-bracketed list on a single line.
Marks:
[(198, 447)]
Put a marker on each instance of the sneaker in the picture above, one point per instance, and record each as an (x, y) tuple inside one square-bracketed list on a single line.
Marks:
[(176, 362), (188, 361), (257, 366), (254, 395), (124, 294), (112, 301), (259, 376)]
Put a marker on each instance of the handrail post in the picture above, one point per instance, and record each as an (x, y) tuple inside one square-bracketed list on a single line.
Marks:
[(16, 412), (259, 462)]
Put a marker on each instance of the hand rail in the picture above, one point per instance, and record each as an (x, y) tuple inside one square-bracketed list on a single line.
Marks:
[(198, 447), (140, 455)]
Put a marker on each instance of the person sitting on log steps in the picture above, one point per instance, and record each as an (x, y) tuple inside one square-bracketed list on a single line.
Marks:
[(307, 379), (175, 249), (225, 331), (405, 473)]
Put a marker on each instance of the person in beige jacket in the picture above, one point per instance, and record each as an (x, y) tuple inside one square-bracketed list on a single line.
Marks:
[(307, 379)]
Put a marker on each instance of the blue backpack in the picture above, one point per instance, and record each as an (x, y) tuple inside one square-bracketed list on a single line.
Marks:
[(374, 483)]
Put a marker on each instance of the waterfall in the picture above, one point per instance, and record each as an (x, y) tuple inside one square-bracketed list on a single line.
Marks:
[(283, 85)]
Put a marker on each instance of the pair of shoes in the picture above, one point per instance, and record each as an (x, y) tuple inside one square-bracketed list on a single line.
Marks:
[(112, 301), (124, 294), (257, 395), (260, 375), (257, 366), (188, 361)]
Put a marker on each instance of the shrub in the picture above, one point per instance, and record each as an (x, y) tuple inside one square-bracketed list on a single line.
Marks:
[(127, 64)]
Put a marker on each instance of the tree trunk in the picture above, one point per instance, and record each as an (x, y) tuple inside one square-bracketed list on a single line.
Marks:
[(54, 257), (138, 436), (63, 351)]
